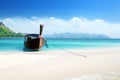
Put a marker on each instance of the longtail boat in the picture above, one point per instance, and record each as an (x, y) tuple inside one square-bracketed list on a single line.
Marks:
[(34, 41)]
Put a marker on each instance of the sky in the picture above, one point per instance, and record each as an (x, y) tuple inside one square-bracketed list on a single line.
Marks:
[(75, 16)]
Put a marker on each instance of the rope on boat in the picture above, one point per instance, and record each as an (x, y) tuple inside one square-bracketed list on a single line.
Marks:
[(69, 51), (45, 43), (64, 49)]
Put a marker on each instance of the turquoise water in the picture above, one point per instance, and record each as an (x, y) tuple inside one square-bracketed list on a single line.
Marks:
[(16, 44)]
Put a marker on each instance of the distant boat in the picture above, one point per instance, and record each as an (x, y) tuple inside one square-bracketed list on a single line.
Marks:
[(35, 41)]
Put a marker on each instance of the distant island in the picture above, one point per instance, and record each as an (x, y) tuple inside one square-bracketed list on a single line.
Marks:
[(77, 35), (6, 32)]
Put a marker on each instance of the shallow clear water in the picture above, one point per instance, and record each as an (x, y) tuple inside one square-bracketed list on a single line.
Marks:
[(82, 43), (11, 44), (16, 44)]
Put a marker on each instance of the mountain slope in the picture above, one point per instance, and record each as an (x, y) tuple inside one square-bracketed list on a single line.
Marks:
[(6, 32)]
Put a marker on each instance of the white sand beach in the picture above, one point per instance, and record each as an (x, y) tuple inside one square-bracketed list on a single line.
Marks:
[(60, 65)]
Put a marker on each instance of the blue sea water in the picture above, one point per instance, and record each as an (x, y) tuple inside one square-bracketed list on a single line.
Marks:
[(17, 44)]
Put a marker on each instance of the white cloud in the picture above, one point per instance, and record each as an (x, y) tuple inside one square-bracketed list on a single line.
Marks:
[(57, 25)]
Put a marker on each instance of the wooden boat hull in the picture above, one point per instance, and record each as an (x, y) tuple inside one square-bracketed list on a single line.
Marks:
[(34, 41), (33, 44)]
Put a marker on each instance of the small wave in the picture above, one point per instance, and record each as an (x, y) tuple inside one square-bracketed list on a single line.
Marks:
[(111, 76)]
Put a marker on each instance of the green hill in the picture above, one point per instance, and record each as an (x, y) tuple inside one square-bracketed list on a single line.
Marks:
[(6, 32)]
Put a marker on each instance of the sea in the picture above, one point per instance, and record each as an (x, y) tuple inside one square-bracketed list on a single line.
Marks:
[(17, 44)]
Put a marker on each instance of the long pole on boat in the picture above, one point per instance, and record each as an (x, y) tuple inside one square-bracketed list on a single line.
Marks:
[(41, 29)]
